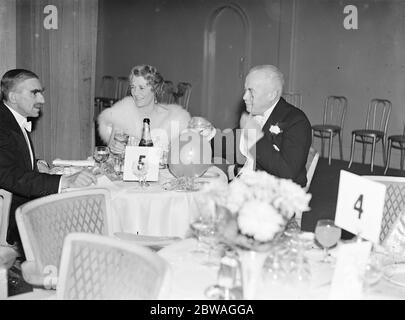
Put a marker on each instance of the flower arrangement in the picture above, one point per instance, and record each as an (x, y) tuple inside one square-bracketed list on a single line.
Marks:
[(256, 207)]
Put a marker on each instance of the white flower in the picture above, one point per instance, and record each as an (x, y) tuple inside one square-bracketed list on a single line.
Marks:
[(259, 220), (275, 129), (260, 204), (294, 198), (238, 194)]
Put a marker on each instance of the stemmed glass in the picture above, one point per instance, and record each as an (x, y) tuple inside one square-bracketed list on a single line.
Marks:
[(373, 271), (140, 170), (328, 235), (100, 155)]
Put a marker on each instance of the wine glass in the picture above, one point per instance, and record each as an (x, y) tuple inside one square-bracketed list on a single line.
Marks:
[(140, 170), (373, 270), (100, 155), (328, 235)]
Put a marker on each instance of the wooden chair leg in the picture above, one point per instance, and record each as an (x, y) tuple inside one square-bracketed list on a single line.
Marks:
[(340, 146), (322, 146), (363, 154), (373, 153), (388, 157), (383, 151), (352, 149), (330, 147)]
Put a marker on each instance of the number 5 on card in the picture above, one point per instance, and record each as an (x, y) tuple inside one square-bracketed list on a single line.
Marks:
[(360, 205)]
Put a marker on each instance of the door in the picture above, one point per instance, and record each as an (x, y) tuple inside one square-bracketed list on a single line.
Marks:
[(227, 59)]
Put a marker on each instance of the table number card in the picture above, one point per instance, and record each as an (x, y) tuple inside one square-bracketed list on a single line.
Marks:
[(351, 261), (360, 205), (151, 156)]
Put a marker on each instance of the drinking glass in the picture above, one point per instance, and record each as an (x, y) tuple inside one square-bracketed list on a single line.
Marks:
[(118, 142), (328, 235), (227, 282), (140, 170), (100, 155), (373, 270), (201, 227)]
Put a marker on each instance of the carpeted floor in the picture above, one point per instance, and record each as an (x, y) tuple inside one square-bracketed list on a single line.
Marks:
[(324, 189)]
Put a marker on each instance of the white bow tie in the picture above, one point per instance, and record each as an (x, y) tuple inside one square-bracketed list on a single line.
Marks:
[(27, 125), (259, 119)]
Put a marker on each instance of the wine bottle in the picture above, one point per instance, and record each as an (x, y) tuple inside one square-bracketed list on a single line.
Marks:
[(146, 140)]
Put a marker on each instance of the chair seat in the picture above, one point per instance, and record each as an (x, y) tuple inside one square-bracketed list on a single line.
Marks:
[(368, 133), (326, 127), (397, 138), (7, 256)]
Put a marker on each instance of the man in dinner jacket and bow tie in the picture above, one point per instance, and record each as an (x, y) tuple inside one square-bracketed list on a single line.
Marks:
[(22, 97), (276, 136)]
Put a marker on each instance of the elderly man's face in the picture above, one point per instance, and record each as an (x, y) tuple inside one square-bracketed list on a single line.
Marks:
[(259, 93), (27, 97)]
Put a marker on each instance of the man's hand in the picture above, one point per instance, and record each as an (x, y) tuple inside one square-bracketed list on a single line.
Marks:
[(79, 179), (43, 166)]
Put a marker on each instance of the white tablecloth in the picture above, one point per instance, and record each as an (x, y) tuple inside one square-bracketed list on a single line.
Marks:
[(155, 211), (191, 278)]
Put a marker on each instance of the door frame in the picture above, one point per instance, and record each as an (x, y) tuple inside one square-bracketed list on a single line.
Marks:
[(210, 53)]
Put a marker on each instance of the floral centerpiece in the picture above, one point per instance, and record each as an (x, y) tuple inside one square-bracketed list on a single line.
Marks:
[(255, 209)]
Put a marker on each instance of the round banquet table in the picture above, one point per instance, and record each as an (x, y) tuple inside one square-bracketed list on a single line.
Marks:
[(191, 277), (154, 211)]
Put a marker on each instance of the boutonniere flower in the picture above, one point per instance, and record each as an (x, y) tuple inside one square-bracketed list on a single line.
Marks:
[(275, 129)]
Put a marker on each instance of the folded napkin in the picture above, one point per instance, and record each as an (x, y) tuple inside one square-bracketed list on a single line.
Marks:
[(73, 163), (103, 181)]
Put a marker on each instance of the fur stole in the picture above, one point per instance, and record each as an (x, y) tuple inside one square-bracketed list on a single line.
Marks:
[(166, 122)]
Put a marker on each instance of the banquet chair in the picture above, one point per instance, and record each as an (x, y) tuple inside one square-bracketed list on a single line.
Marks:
[(394, 201), (375, 130), (293, 98), (7, 253), (183, 94), (121, 88), (44, 223), (167, 92), (396, 142), (310, 166), (107, 91), (334, 114), (5, 202), (95, 267)]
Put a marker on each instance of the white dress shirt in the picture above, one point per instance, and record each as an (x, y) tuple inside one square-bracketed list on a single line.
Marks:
[(22, 122), (243, 146)]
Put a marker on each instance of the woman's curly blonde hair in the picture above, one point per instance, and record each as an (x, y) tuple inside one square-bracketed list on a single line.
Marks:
[(150, 74)]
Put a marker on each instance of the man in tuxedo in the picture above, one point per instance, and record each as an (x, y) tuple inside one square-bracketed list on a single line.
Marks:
[(22, 97), (276, 136)]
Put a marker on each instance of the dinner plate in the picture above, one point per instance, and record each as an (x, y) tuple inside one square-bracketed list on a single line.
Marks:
[(395, 273), (152, 241)]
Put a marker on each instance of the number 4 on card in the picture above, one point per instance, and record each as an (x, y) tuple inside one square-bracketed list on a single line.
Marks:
[(360, 205)]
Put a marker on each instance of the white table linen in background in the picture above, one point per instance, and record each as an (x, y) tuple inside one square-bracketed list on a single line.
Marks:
[(154, 211)]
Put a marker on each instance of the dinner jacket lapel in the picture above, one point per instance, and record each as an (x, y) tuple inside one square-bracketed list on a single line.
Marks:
[(11, 124)]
